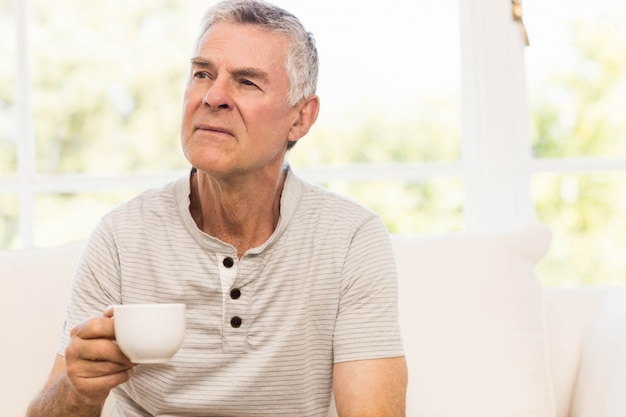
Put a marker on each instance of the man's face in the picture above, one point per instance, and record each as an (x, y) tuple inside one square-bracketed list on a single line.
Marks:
[(236, 115)]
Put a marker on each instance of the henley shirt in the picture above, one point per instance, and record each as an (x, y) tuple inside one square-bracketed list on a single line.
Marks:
[(264, 330)]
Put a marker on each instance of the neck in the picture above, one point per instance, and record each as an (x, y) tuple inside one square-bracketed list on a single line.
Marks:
[(243, 215)]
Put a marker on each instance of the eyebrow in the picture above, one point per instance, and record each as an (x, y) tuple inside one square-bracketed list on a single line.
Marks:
[(246, 72), (201, 62)]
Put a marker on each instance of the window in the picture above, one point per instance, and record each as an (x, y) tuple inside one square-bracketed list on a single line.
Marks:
[(90, 112), (104, 101), (577, 94), (8, 117), (425, 117), (390, 118)]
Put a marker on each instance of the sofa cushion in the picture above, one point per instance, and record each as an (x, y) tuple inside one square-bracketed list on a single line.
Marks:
[(472, 321), (34, 288), (568, 313), (601, 384)]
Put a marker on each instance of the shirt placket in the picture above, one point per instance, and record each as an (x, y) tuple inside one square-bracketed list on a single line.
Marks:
[(235, 306)]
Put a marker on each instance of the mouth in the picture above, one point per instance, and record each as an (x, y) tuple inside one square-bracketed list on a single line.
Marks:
[(213, 129)]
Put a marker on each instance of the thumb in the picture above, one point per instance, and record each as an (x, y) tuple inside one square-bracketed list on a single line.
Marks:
[(109, 312)]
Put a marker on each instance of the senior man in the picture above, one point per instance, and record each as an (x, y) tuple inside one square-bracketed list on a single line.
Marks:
[(290, 289)]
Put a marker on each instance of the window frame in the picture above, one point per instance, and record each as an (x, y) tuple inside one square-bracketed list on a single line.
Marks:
[(496, 161)]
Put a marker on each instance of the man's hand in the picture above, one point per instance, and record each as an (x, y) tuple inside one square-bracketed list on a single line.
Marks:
[(93, 361), (81, 381)]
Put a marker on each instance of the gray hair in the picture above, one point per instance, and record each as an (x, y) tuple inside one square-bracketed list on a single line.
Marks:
[(302, 64)]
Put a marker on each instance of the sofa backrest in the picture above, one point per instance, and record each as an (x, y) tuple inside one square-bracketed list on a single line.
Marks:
[(34, 288), (568, 314), (471, 311)]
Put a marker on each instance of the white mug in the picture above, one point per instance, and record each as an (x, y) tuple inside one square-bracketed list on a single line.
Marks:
[(149, 333)]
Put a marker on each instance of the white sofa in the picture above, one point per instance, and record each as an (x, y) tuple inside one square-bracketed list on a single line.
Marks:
[(482, 337)]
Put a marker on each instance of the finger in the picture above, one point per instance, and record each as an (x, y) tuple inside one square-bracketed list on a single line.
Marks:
[(109, 312), (95, 328), (97, 387), (96, 350), (94, 362), (102, 368)]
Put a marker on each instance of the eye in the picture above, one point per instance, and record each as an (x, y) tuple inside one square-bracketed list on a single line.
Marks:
[(247, 83), (200, 74)]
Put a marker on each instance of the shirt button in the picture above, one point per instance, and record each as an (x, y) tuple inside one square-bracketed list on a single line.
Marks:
[(228, 262), (235, 322), (235, 294)]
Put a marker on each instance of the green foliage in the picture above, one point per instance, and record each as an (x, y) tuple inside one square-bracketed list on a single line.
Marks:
[(580, 111), (410, 208), (587, 213), (427, 133), (8, 154), (107, 97), (8, 220)]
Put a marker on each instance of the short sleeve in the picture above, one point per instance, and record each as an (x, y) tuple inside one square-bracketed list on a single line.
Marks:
[(96, 282), (367, 324)]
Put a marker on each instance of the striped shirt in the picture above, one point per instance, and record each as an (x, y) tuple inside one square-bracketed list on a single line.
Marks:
[(263, 331)]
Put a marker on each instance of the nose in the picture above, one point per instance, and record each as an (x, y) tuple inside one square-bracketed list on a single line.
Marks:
[(217, 96)]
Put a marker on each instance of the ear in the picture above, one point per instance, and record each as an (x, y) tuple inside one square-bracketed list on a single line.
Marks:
[(305, 115)]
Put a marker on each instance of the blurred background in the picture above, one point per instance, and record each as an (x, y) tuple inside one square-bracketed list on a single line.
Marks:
[(91, 95)]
